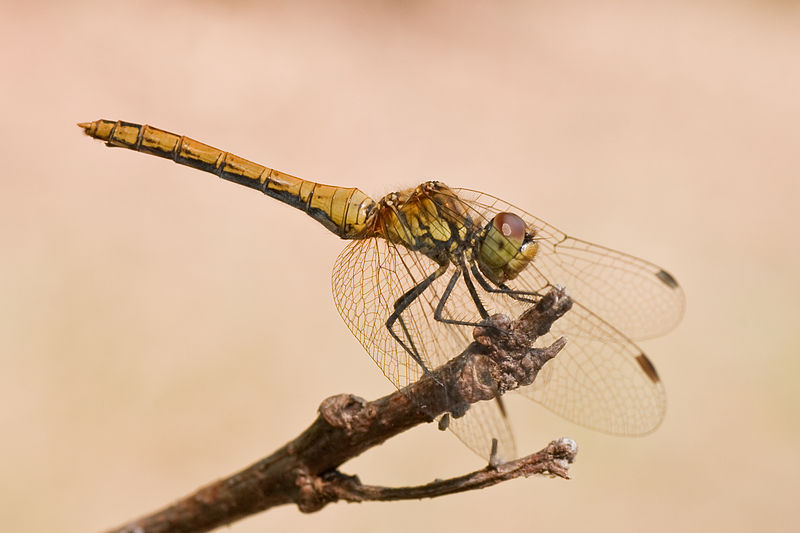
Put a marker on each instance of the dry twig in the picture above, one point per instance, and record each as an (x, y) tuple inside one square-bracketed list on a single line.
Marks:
[(304, 471)]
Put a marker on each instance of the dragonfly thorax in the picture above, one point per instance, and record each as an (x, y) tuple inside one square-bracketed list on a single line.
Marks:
[(429, 219), (504, 248)]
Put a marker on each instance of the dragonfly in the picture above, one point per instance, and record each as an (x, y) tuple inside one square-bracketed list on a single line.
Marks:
[(427, 264)]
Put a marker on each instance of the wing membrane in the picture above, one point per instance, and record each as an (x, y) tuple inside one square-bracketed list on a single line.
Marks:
[(368, 277), (638, 297), (600, 379)]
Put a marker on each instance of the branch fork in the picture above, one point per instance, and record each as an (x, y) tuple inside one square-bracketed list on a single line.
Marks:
[(304, 471)]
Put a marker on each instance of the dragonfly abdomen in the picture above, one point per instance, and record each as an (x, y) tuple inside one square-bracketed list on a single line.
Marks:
[(346, 212)]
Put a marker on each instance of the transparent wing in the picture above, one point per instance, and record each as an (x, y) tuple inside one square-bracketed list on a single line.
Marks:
[(368, 278), (601, 379), (483, 422), (639, 298)]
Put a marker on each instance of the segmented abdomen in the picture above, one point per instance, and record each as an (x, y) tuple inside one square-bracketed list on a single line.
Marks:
[(347, 212)]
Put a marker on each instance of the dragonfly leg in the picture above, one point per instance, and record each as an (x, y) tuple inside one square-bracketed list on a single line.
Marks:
[(437, 314), (471, 287), (411, 348), (401, 305), (521, 296)]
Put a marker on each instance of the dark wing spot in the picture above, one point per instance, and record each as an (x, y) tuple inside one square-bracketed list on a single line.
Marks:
[(648, 368), (667, 278)]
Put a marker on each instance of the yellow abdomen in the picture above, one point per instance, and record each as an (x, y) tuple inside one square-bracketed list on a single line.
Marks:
[(347, 212)]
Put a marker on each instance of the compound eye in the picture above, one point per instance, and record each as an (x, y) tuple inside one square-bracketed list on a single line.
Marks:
[(510, 226)]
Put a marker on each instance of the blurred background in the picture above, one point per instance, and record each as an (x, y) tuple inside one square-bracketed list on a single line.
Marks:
[(160, 328)]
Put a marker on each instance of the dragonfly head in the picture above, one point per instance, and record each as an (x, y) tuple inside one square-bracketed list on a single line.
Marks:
[(505, 247)]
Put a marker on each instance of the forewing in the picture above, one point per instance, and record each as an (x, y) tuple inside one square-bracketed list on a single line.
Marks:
[(638, 297), (368, 278)]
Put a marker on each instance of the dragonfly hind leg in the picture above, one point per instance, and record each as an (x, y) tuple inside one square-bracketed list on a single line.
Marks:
[(401, 305)]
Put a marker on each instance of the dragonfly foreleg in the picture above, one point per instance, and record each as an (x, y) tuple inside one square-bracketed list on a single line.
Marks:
[(520, 296)]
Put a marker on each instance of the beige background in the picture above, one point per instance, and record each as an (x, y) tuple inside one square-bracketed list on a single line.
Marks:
[(160, 328)]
